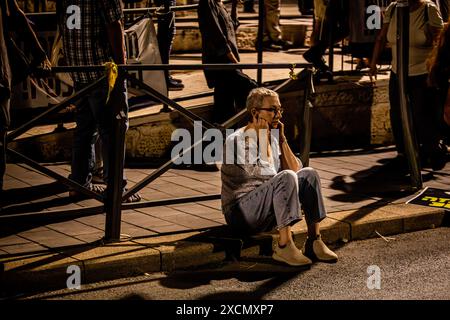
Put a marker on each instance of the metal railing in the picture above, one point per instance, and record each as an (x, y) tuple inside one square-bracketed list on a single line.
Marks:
[(114, 196)]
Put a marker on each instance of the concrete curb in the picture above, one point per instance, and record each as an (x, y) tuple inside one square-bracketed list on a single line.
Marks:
[(189, 250)]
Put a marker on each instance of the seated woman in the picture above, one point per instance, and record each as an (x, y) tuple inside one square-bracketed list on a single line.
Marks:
[(264, 185)]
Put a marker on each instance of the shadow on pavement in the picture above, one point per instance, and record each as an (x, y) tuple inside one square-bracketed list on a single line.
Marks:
[(255, 272), (23, 195)]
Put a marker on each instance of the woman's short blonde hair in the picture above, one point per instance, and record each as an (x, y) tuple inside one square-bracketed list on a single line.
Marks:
[(256, 96)]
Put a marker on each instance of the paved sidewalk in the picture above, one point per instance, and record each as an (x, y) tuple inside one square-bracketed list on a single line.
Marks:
[(364, 195), (361, 192)]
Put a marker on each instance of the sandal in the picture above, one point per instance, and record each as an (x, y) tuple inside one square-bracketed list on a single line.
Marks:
[(135, 197), (93, 187)]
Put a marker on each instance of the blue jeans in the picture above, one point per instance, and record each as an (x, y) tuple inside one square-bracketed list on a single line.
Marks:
[(277, 203), (95, 118)]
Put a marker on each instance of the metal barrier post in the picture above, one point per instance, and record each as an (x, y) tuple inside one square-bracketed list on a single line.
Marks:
[(113, 201), (305, 120), (259, 40), (409, 136)]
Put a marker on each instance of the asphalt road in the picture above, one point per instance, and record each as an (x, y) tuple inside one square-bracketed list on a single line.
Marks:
[(413, 266)]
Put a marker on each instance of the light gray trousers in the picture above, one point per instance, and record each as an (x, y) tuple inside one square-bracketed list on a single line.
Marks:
[(277, 203)]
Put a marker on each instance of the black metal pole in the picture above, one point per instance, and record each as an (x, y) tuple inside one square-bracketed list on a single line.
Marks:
[(116, 154), (305, 120), (259, 46), (409, 136)]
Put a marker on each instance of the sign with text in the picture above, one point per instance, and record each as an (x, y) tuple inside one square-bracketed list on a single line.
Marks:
[(432, 197)]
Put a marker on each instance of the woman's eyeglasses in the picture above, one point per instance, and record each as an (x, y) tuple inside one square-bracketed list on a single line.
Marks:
[(274, 110)]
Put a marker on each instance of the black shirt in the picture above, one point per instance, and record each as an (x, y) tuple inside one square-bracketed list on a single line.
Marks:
[(218, 36)]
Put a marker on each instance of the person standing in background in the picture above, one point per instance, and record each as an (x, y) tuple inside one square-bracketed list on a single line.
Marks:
[(425, 23), (218, 31), (166, 34), (14, 64)]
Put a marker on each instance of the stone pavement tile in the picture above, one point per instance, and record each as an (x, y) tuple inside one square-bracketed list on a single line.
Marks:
[(356, 205), (172, 228), (14, 183), (34, 230), (343, 172), (34, 178), (136, 231), (194, 208), (329, 167), (358, 161), (191, 221), (215, 216), (29, 247), (199, 175), (51, 238), (89, 203), (216, 182), (326, 175), (14, 169), (142, 220), (186, 181), (91, 237), (354, 167), (148, 171), (210, 189), (60, 170), (438, 185), (216, 204), (178, 191), (160, 211), (135, 176), (166, 239), (72, 228), (150, 194), (95, 221), (11, 240), (326, 160), (221, 220)]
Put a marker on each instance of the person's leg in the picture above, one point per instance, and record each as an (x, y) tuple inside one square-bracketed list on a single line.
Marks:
[(275, 203), (310, 196), (272, 30), (224, 107), (249, 6), (2, 155), (394, 111), (104, 118), (426, 115), (166, 34), (311, 199), (241, 85), (83, 148)]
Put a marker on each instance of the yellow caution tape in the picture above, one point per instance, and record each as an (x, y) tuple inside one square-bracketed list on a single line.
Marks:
[(292, 74), (112, 72)]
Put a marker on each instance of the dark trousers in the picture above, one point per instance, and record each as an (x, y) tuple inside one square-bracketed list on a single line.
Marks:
[(444, 7), (166, 31), (94, 117), (230, 93), (425, 113), (2, 156)]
